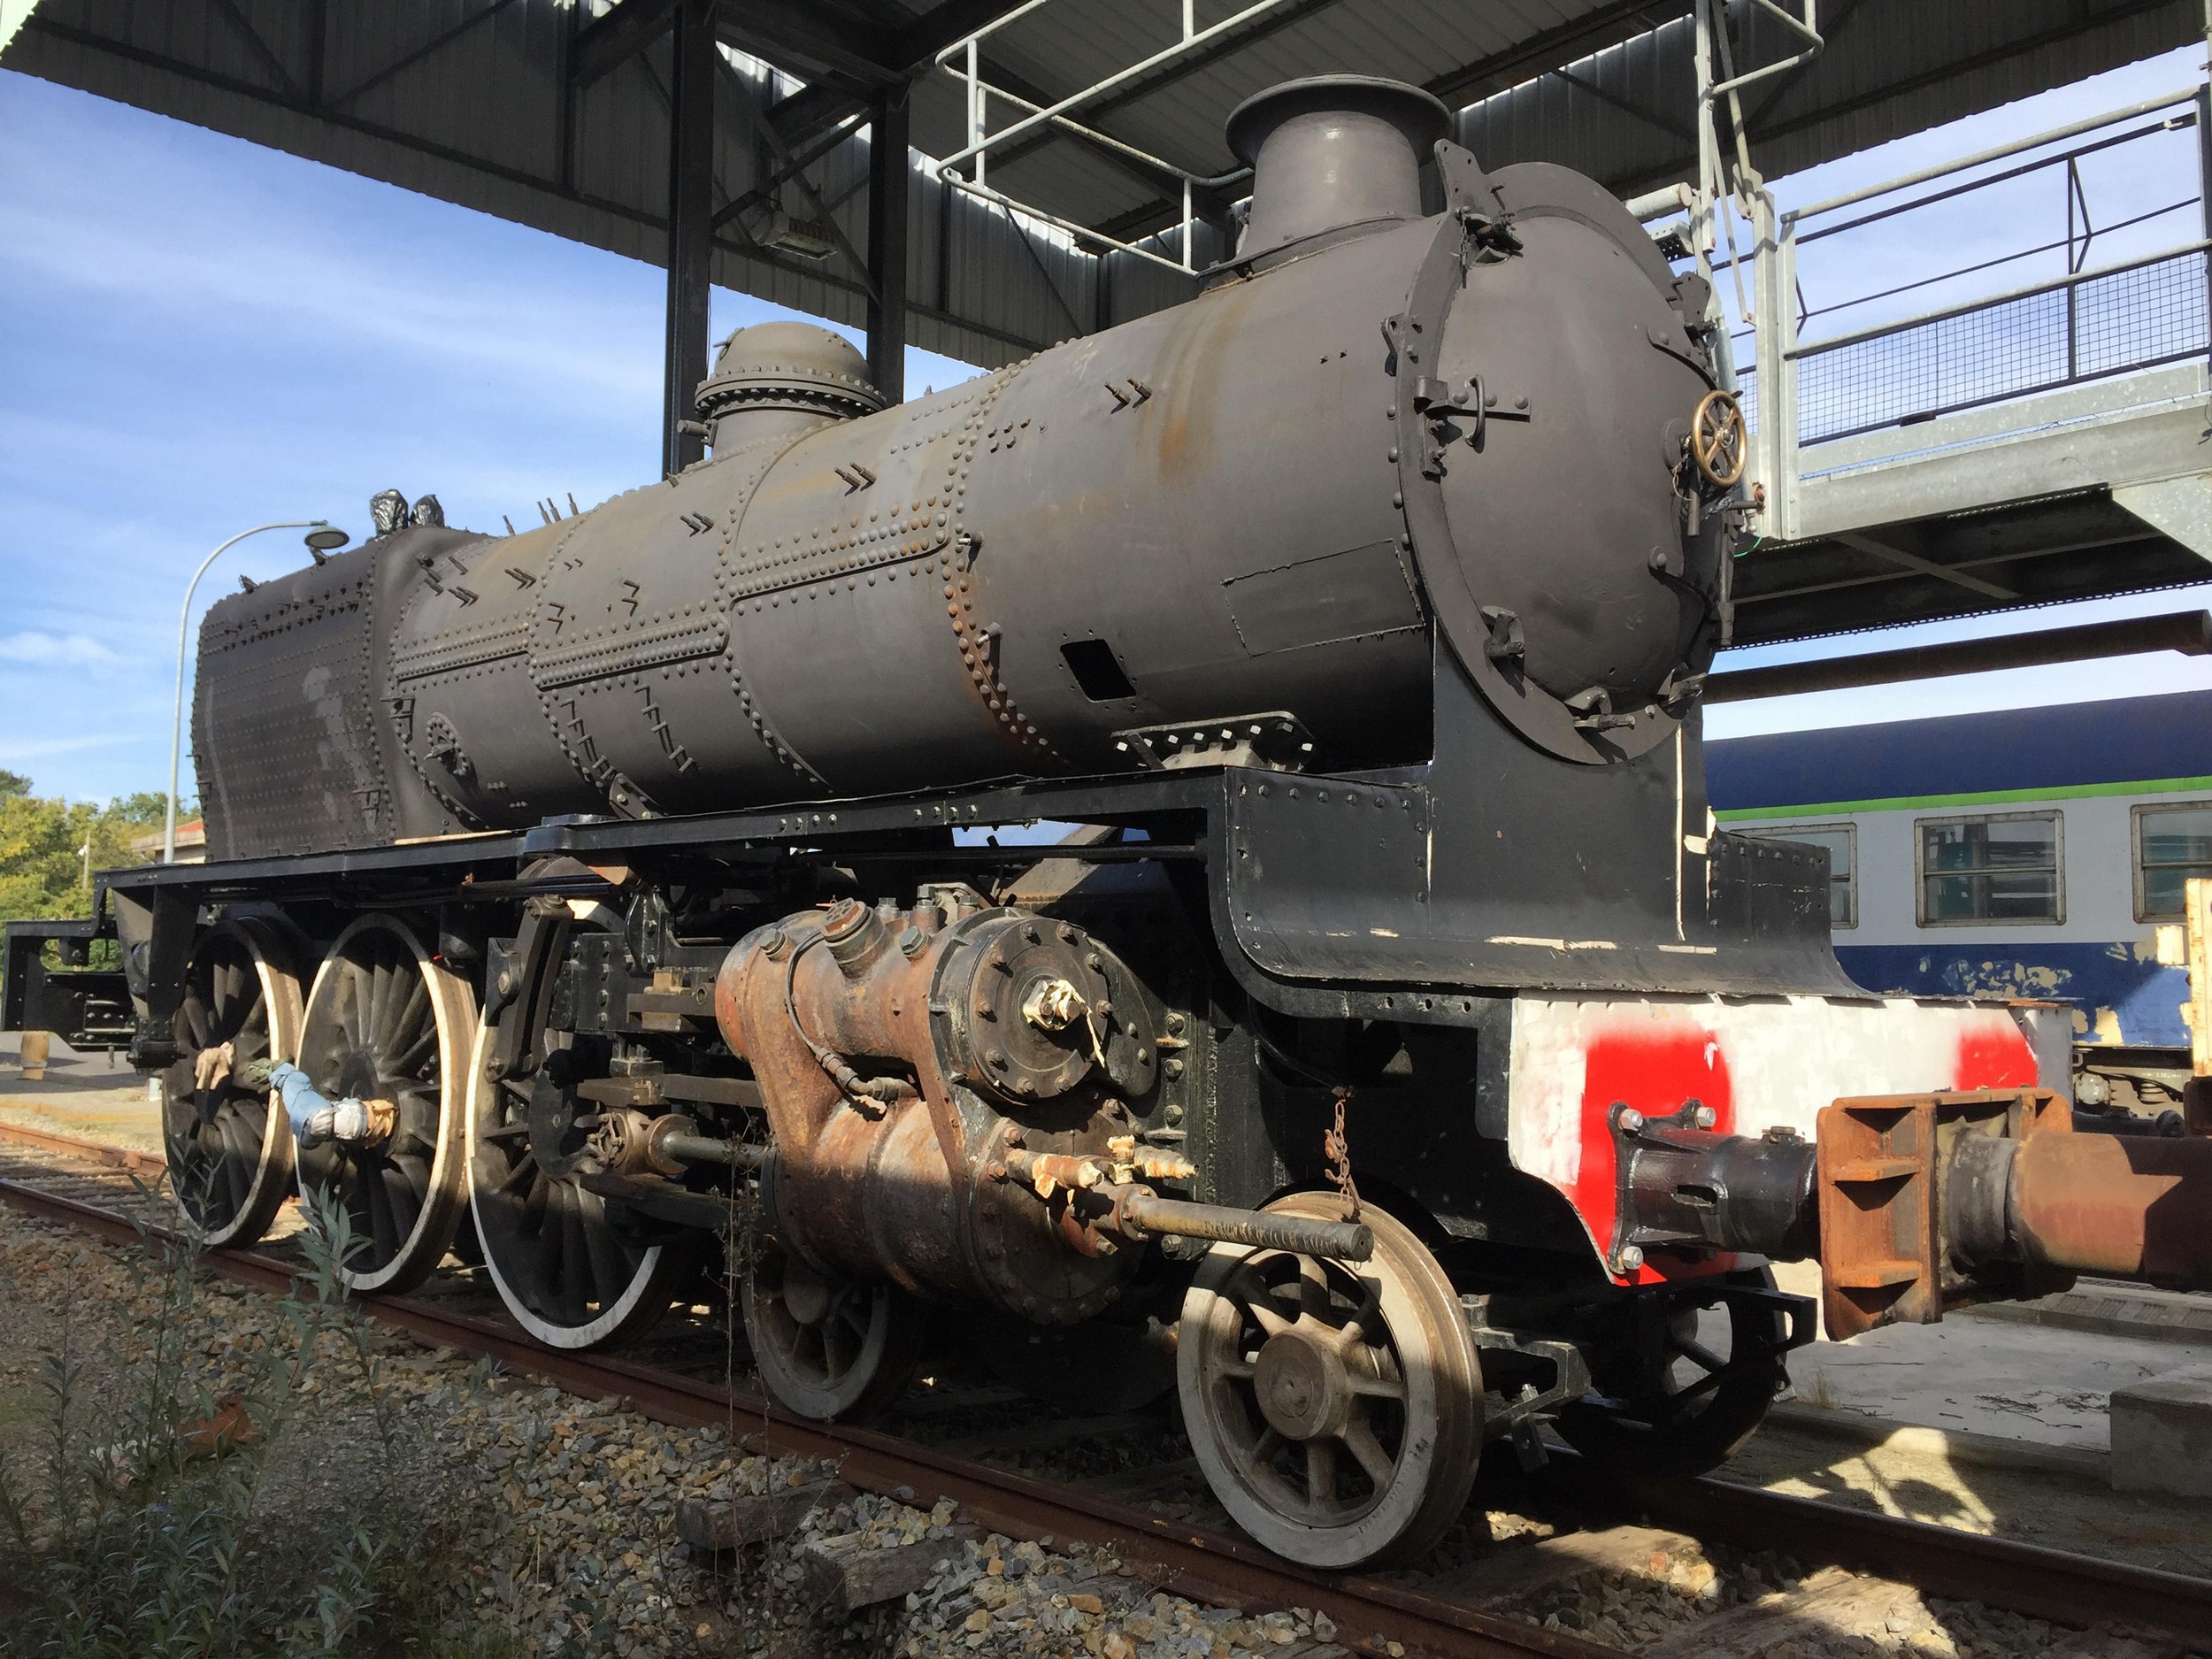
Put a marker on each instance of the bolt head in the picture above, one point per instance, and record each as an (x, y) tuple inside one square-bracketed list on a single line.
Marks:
[(1631, 1120), (1632, 1257), (1707, 1116)]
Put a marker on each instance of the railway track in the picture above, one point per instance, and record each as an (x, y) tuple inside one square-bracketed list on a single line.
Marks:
[(1207, 1565)]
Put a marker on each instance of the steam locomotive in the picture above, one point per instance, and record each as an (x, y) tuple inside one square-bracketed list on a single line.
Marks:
[(1395, 1057)]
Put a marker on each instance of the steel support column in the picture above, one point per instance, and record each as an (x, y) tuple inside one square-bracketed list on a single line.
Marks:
[(888, 184), (690, 229)]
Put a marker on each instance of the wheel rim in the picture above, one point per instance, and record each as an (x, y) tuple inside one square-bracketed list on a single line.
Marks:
[(566, 1275), (1336, 1410), (1690, 1423), (827, 1347), (387, 1021), (229, 1148)]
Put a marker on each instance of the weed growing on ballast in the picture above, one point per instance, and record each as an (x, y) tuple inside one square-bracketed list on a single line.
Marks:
[(140, 1524)]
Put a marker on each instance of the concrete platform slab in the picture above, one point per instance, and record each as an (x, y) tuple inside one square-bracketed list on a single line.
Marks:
[(2116, 1309), (2162, 1434), (2042, 1384)]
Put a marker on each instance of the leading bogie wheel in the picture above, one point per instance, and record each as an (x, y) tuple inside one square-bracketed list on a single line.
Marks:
[(229, 1148), (829, 1348), (568, 1273), (387, 1021), (1335, 1408)]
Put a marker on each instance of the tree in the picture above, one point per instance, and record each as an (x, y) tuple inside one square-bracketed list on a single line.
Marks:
[(43, 846)]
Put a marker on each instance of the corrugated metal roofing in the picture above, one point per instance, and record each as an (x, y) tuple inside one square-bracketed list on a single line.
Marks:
[(473, 101), (1889, 68)]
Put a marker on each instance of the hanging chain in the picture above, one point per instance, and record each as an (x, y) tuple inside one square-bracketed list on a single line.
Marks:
[(1338, 1150)]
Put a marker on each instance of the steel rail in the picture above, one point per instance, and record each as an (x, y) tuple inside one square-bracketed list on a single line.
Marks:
[(114, 1158), (1222, 1570)]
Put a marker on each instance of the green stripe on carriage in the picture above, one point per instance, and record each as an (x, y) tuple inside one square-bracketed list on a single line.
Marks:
[(1984, 797)]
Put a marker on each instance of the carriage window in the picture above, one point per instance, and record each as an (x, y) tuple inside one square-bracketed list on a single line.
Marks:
[(1999, 868), (2172, 843), (1842, 843)]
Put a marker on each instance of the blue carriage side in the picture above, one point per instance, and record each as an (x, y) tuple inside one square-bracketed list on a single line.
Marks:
[(2033, 853)]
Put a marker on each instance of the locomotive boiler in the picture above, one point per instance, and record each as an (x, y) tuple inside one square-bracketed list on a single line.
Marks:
[(1391, 1036)]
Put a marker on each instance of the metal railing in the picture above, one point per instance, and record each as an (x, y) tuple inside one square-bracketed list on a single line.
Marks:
[(962, 59), (2133, 312)]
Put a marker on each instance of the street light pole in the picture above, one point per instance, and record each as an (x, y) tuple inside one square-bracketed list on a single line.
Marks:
[(184, 624)]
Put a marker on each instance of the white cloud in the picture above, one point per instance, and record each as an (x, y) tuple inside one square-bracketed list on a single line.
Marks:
[(47, 747), (48, 650)]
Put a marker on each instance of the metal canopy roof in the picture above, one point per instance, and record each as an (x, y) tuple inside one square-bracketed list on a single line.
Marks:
[(555, 113)]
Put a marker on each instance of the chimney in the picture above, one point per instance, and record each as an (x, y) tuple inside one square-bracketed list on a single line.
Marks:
[(1331, 153)]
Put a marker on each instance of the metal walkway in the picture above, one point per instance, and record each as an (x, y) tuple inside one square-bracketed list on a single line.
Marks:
[(2021, 442)]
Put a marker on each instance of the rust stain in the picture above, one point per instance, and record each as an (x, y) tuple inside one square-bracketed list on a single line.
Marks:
[(1190, 380)]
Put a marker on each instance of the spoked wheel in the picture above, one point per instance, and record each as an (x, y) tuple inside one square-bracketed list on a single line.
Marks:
[(570, 1276), (229, 1147), (385, 1021), (1336, 1409), (827, 1349), (1681, 1398)]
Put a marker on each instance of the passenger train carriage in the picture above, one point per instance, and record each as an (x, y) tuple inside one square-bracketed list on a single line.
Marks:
[(1400, 1033), (2033, 853)]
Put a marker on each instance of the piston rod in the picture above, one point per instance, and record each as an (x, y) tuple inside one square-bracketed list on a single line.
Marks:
[(693, 1149), (1138, 1212), (1143, 1212)]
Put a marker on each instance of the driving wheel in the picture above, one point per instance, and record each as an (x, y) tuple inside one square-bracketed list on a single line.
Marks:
[(828, 1347), (1679, 1397), (1335, 1408), (229, 1147), (385, 1021), (569, 1275)]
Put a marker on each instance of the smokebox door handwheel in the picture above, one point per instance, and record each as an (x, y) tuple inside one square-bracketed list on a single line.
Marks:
[(1717, 439), (390, 1025), (230, 1150)]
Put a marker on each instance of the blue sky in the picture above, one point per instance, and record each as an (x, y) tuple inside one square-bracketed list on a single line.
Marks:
[(200, 335)]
